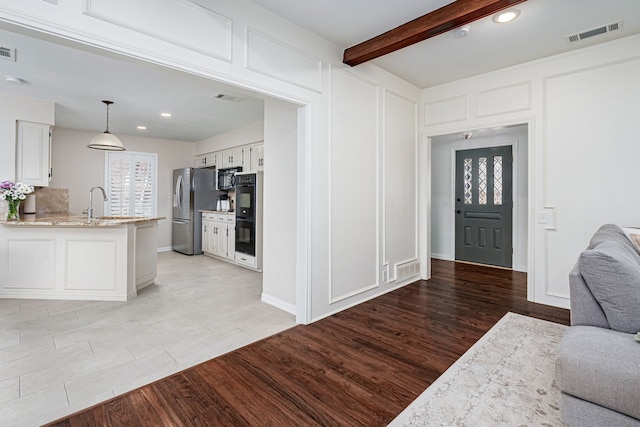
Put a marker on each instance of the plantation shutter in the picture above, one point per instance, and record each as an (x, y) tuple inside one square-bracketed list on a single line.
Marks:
[(131, 184)]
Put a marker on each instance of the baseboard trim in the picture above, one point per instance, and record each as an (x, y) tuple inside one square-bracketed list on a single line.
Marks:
[(444, 257), (165, 249), (278, 303)]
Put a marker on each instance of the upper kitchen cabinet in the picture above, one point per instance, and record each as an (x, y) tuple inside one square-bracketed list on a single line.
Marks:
[(253, 160), (257, 157), (232, 158), (207, 160), (33, 153)]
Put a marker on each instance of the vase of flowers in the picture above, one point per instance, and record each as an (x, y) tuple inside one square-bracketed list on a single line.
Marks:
[(14, 193)]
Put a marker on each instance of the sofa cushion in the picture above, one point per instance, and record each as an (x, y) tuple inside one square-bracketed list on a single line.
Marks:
[(607, 233), (600, 366), (612, 272)]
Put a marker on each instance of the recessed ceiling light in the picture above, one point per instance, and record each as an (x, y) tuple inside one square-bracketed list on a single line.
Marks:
[(165, 114), (142, 127), (505, 16)]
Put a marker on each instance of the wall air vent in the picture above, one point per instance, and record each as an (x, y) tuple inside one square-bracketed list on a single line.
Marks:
[(408, 269), (595, 32), (8, 54)]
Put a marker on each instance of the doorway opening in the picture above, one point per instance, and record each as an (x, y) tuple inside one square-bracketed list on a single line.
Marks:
[(478, 236)]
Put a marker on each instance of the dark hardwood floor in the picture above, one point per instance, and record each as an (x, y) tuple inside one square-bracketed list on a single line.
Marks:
[(360, 367)]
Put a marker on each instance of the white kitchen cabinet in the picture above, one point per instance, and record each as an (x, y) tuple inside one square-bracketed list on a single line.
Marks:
[(232, 157), (33, 154), (207, 160), (209, 238), (226, 229), (78, 261), (257, 157), (253, 158), (218, 234)]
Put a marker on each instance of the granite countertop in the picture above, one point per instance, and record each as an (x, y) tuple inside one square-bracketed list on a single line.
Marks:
[(218, 212), (73, 220)]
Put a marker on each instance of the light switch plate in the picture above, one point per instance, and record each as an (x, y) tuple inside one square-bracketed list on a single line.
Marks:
[(543, 218)]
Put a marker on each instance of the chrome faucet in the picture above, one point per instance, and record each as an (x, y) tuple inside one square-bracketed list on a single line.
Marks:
[(89, 210)]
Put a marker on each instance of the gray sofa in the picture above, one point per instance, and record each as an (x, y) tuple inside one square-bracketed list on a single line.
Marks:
[(598, 361)]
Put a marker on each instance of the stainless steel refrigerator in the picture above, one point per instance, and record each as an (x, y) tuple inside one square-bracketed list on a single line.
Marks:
[(193, 189)]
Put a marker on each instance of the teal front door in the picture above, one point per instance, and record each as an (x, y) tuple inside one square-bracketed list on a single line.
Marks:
[(484, 206)]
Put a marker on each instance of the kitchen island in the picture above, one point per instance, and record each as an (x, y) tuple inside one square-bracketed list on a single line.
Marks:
[(65, 256)]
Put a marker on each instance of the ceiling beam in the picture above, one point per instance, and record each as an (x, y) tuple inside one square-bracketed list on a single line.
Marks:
[(453, 15)]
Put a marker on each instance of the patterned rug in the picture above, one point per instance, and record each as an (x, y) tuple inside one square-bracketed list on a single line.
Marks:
[(505, 379)]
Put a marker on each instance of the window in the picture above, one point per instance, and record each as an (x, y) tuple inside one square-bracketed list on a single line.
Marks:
[(131, 180)]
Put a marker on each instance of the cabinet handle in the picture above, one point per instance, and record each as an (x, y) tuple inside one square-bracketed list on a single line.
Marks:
[(205, 228)]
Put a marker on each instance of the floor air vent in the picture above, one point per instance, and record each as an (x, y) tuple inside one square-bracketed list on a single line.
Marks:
[(595, 32), (7, 54), (407, 269)]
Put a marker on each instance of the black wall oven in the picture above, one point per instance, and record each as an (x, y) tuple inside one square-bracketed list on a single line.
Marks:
[(246, 213)]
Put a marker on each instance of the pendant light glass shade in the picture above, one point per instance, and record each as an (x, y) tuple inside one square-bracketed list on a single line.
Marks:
[(106, 140)]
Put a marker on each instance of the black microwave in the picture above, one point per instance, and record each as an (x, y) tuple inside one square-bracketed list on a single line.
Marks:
[(227, 178)]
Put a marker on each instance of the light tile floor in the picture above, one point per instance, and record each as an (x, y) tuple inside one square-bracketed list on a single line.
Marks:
[(57, 357)]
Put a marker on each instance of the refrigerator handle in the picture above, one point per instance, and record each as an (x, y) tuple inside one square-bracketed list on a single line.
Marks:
[(178, 194)]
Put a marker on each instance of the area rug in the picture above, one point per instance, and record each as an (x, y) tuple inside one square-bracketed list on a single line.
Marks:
[(505, 379)]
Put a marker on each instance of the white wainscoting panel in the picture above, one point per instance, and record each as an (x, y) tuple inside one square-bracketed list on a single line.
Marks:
[(401, 182), (91, 265), (273, 58), (507, 99), (198, 28), (445, 111), (591, 160), (353, 172), (31, 264)]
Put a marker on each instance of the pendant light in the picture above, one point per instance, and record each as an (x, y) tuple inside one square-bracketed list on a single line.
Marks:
[(106, 140)]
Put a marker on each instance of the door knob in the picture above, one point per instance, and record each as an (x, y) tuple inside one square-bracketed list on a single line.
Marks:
[(458, 211)]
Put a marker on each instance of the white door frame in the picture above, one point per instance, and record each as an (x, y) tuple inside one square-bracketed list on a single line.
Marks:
[(425, 177)]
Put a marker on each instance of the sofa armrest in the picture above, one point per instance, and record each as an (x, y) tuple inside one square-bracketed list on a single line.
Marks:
[(585, 310)]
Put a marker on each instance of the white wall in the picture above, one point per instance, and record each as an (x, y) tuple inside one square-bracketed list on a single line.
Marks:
[(369, 173), (443, 185), (280, 186), (241, 43), (13, 108), (581, 108), (79, 168), (245, 135)]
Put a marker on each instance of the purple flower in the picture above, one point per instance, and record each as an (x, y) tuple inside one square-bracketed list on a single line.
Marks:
[(7, 185)]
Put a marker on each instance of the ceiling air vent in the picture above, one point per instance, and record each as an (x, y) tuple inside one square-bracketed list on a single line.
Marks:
[(595, 32), (7, 54), (230, 98)]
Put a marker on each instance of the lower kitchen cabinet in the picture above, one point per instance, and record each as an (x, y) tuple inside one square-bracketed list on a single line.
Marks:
[(218, 234)]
